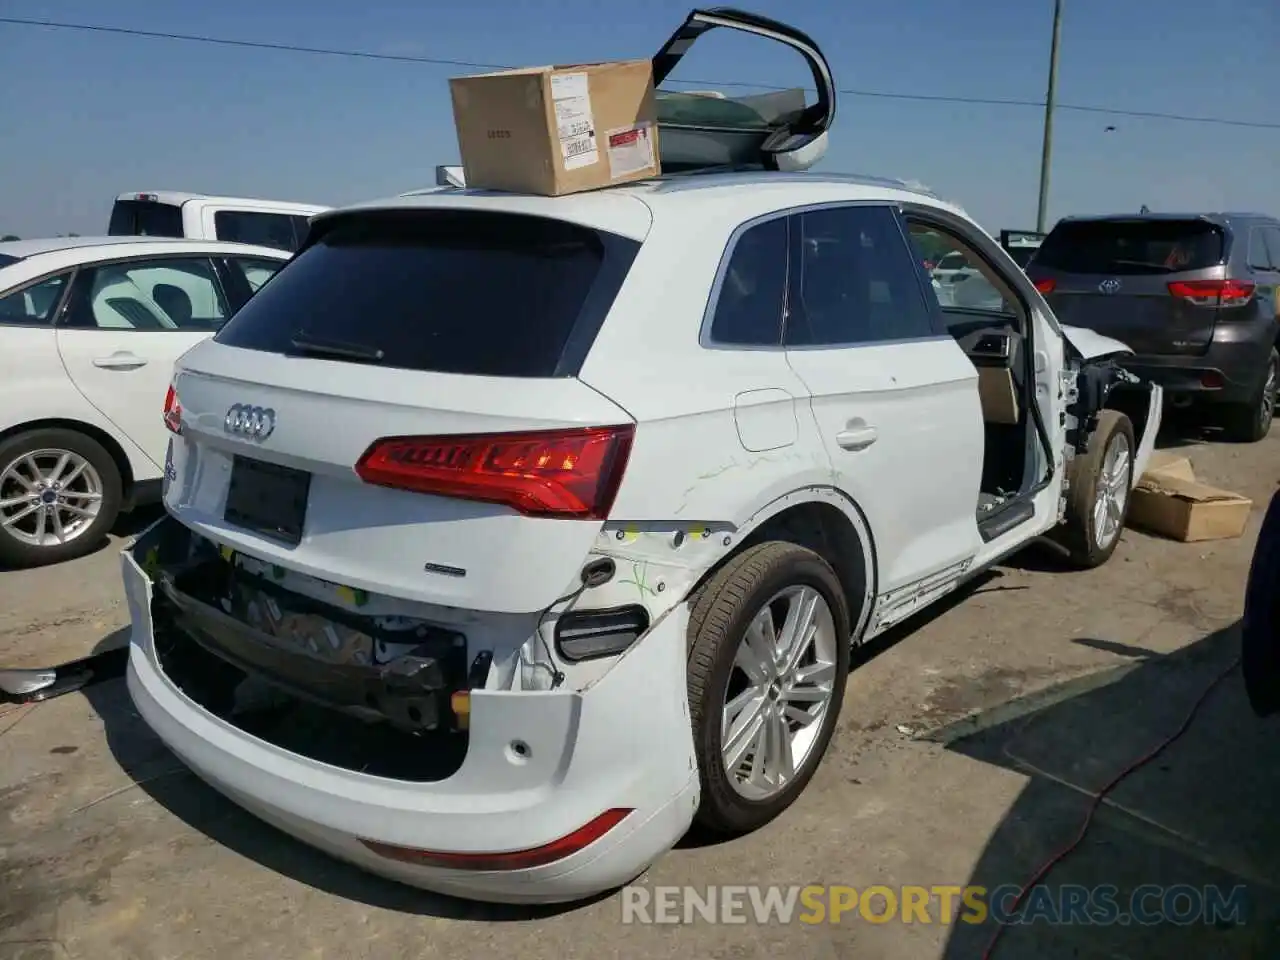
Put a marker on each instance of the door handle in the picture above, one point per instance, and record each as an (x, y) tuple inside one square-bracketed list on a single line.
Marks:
[(120, 361), (857, 438)]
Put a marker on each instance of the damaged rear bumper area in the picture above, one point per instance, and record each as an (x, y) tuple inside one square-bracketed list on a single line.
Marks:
[(528, 796)]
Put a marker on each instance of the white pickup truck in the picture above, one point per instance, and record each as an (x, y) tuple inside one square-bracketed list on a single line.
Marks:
[(264, 223)]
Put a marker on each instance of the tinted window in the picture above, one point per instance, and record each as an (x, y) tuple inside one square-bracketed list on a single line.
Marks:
[(1258, 258), (300, 227), (33, 304), (446, 291), (1131, 247), (1021, 255), (754, 288), (6, 260), (857, 280), (153, 295), (145, 218), (1272, 236), (260, 229), (255, 271)]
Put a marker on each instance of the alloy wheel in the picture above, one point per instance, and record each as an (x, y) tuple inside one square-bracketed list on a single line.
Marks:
[(49, 497), (1111, 495), (1267, 407), (779, 692)]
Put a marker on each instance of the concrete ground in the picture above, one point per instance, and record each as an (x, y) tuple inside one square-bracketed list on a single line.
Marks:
[(966, 749)]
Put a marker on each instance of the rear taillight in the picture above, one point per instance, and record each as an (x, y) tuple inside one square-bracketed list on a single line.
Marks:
[(1212, 293), (553, 473), (172, 411), (1046, 287)]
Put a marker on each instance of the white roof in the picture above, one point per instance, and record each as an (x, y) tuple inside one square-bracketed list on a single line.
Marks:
[(177, 198), (628, 210), (36, 257)]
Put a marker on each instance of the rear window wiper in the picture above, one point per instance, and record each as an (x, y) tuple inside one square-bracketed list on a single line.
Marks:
[(310, 346)]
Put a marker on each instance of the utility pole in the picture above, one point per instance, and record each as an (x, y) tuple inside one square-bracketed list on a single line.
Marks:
[(1050, 97)]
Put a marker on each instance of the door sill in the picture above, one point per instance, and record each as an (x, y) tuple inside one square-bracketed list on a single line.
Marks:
[(1006, 517)]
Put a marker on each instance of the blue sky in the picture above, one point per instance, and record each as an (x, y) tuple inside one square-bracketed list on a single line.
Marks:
[(87, 116)]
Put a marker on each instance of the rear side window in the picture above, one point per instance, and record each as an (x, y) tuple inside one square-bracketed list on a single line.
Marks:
[(145, 218), (1131, 247), (275, 230), (33, 304), (753, 289), (467, 292), (1271, 237)]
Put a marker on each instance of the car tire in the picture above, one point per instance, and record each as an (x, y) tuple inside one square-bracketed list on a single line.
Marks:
[(1100, 484), (1260, 624), (1250, 422), (764, 582), (95, 486)]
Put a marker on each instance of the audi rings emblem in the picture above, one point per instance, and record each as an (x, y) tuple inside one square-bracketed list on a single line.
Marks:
[(256, 423)]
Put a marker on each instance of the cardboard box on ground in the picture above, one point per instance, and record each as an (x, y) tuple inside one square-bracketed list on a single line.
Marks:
[(557, 129), (1170, 501)]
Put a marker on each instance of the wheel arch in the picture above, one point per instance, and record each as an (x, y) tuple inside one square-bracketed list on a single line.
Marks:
[(824, 520)]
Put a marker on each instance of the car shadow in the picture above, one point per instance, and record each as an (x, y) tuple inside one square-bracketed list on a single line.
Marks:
[(127, 525), (135, 521), (165, 779), (987, 580), (1196, 822)]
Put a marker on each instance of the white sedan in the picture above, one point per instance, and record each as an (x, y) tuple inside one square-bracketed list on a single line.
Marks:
[(90, 329)]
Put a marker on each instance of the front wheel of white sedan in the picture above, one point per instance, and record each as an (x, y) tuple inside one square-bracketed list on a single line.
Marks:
[(768, 663)]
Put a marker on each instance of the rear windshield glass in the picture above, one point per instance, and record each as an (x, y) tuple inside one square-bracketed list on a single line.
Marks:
[(489, 294), (1130, 247), (6, 260), (145, 218)]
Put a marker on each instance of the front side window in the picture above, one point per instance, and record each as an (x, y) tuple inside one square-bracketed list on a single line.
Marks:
[(754, 287), (972, 284), (152, 295), (856, 281), (255, 270), (33, 304)]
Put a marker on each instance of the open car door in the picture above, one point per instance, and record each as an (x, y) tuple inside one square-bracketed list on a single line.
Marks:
[(772, 131)]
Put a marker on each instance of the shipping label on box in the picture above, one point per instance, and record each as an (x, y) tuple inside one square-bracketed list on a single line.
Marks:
[(575, 126)]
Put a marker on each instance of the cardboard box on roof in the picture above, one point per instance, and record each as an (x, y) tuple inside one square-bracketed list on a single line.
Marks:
[(557, 129), (1170, 501)]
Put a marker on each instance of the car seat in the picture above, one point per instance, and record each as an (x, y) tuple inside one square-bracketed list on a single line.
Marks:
[(175, 302)]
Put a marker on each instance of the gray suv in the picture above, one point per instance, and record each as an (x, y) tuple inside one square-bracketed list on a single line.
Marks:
[(1194, 295)]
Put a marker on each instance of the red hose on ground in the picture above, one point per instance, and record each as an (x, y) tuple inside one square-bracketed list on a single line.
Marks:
[(1098, 797)]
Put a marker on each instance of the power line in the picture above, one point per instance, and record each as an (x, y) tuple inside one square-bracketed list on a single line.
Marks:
[(473, 64)]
